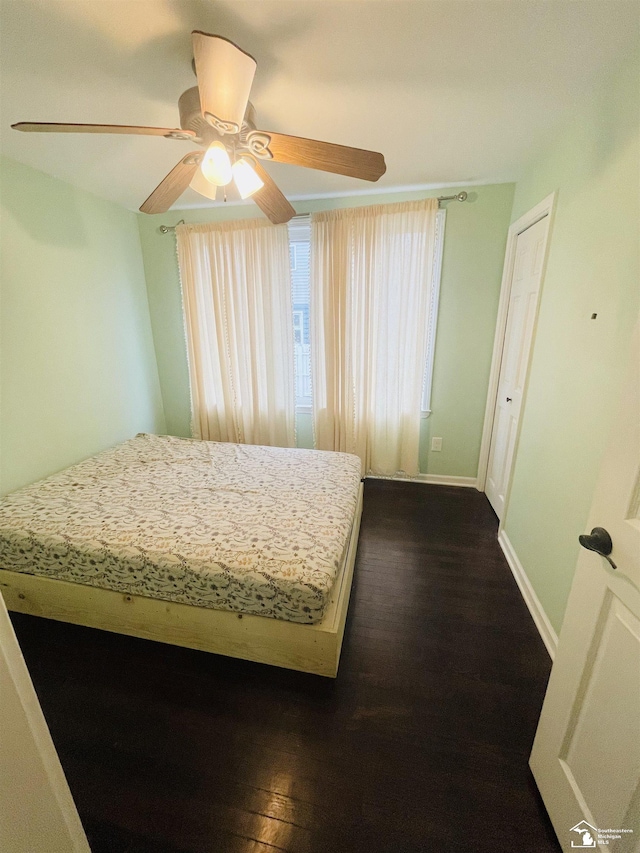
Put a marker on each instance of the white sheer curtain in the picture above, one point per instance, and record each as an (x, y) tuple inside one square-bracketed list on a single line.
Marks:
[(236, 290), (370, 292)]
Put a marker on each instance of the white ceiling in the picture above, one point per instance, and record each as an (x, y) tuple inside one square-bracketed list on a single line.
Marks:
[(450, 91)]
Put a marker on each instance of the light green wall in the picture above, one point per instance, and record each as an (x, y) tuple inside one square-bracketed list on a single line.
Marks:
[(577, 363), (77, 371), (475, 239)]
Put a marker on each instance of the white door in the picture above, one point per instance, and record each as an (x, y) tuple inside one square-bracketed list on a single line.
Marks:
[(521, 316), (586, 754), (37, 813)]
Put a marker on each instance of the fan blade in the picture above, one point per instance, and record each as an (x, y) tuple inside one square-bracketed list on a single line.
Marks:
[(136, 130), (270, 200), (171, 188), (354, 162), (225, 74)]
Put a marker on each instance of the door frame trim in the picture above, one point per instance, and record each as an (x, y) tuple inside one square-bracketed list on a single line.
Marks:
[(544, 208)]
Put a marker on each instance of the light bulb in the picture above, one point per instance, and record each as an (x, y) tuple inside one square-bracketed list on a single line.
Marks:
[(216, 165), (247, 179)]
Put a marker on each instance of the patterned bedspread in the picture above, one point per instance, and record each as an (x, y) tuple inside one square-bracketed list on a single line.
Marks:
[(236, 527)]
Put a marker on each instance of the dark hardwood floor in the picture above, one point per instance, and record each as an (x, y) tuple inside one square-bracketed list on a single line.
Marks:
[(421, 744)]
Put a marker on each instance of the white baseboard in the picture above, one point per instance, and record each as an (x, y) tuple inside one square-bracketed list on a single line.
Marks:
[(448, 480), (545, 628), (433, 479)]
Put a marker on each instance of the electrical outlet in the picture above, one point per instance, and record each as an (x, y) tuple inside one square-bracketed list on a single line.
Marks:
[(436, 444)]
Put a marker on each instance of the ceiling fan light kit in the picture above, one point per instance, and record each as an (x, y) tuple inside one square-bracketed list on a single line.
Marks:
[(216, 165), (246, 178), (201, 185), (218, 116)]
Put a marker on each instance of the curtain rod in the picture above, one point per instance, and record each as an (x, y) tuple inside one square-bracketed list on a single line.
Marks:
[(459, 197), (165, 229)]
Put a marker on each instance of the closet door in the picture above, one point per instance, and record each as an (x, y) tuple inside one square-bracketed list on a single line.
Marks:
[(521, 316)]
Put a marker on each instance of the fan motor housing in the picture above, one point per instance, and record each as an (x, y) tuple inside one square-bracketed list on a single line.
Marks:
[(191, 118)]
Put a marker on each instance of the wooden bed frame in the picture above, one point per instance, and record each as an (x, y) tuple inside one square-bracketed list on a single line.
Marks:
[(307, 648)]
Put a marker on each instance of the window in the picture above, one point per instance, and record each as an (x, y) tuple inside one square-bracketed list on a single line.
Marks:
[(299, 253), (293, 255)]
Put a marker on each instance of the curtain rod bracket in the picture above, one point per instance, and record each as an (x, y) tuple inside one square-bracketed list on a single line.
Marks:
[(459, 197), (165, 229)]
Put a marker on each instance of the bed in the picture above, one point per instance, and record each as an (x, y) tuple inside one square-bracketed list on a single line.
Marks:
[(236, 549)]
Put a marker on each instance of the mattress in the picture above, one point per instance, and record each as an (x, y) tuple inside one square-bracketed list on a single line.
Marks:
[(238, 527)]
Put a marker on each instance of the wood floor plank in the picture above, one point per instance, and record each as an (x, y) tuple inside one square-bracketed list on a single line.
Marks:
[(425, 732)]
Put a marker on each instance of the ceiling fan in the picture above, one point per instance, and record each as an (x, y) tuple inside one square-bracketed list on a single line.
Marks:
[(218, 116)]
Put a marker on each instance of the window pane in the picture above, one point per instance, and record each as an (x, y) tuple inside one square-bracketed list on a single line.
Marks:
[(299, 242)]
